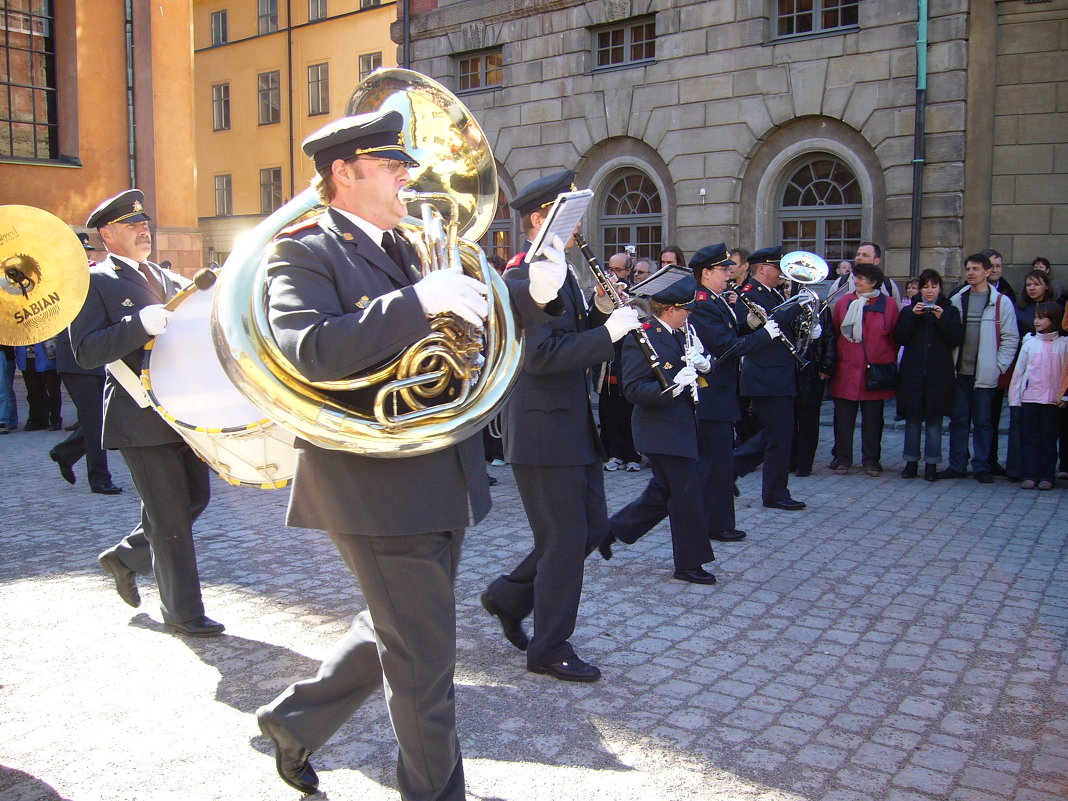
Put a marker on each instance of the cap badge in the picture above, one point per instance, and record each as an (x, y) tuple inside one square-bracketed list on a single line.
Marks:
[(127, 303), (363, 302), (137, 206)]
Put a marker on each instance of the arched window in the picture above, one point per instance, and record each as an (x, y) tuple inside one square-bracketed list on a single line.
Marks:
[(820, 209), (631, 215), (498, 240)]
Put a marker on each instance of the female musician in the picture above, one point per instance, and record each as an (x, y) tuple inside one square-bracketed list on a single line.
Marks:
[(665, 429)]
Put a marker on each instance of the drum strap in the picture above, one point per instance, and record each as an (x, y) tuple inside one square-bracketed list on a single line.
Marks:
[(129, 381)]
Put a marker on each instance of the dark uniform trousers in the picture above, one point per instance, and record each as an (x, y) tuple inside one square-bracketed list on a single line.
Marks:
[(777, 414), (413, 652), (174, 487), (87, 392), (565, 506), (715, 443)]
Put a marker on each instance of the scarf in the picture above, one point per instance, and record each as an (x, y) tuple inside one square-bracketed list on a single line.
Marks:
[(853, 323)]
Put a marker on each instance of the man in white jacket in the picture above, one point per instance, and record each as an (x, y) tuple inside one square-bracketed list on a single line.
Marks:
[(990, 340)]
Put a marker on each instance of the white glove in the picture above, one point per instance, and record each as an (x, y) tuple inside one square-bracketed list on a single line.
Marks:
[(695, 356), (816, 331), (548, 273), (773, 329), (753, 321), (621, 321), (154, 318), (683, 379), (449, 290)]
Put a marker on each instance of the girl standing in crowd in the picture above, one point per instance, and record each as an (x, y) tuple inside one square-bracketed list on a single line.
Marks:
[(928, 331), (1036, 389)]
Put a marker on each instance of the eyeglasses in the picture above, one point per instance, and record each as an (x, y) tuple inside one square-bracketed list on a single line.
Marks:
[(641, 272), (391, 166), (619, 269)]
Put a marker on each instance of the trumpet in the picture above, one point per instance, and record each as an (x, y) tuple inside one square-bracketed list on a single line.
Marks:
[(691, 337), (618, 302)]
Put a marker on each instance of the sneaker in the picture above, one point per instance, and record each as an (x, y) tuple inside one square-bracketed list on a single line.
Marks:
[(1062, 474), (498, 463), (613, 464), (1045, 485), (1027, 484), (633, 467), (4, 429)]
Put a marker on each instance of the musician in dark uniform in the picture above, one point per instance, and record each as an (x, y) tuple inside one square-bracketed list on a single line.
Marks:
[(769, 378), (344, 295), (665, 429), (86, 388), (552, 444), (122, 312), (715, 321)]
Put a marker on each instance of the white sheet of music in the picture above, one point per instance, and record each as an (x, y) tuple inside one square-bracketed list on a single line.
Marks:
[(562, 219)]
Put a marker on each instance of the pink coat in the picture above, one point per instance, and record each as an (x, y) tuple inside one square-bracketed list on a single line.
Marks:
[(880, 317)]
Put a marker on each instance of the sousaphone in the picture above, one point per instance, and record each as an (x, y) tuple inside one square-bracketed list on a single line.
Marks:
[(438, 391)]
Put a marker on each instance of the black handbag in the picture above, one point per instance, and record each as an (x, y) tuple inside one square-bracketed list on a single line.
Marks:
[(879, 376)]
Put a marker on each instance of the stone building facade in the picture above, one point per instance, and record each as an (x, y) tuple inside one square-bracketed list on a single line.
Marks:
[(754, 123)]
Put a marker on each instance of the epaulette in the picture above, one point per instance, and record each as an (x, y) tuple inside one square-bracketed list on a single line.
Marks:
[(515, 261), (748, 287), (301, 225), (701, 295)]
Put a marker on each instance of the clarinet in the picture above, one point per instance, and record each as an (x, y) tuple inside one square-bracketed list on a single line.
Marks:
[(758, 310), (617, 300), (690, 335)]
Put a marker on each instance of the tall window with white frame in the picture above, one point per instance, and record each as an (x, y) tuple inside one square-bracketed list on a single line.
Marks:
[(29, 121), (820, 209), (267, 16), (220, 33), (632, 215), (220, 107), (369, 62), (798, 17), (483, 70), (224, 195), (316, 10), (318, 89), (270, 189), (625, 44), (270, 97)]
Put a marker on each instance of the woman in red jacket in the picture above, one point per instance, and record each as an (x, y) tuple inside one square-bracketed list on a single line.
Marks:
[(864, 323)]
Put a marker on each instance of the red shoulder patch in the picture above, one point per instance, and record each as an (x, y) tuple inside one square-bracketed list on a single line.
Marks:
[(300, 225), (702, 295), (748, 287), (647, 326), (515, 261)]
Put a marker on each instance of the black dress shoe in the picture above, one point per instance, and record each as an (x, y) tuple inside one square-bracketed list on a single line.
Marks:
[(949, 472), (604, 547), (911, 470), (803, 472), (930, 472), (696, 575), (107, 489), (202, 626), (510, 625), (125, 579), (573, 669), (55, 426), (984, 477), (734, 535), (65, 468), (35, 427), (789, 505), (290, 757)]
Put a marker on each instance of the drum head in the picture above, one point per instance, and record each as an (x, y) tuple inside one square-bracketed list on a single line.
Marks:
[(184, 378)]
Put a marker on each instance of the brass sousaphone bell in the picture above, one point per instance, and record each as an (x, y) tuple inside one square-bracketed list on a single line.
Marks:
[(438, 391)]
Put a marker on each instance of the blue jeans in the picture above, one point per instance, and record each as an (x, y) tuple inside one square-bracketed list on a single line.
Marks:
[(9, 410), (971, 410), (932, 447)]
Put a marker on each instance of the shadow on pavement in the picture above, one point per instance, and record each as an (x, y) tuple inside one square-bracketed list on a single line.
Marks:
[(16, 785)]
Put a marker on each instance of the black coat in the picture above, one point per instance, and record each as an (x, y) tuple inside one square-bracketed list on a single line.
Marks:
[(926, 376), (822, 355)]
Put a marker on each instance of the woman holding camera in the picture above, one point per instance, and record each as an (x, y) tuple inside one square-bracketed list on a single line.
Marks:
[(929, 329)]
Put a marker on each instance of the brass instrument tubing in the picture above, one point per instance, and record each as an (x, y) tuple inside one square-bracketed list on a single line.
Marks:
[(758, 310)]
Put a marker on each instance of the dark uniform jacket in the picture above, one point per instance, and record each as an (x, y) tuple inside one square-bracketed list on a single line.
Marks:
[(769, 370), (109, 328), (661, 423), (337, 306), (549, 418), (718, 329)]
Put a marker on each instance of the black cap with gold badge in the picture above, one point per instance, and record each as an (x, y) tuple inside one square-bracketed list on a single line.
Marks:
[(766, 256), (378, 133), (125, 207), (543, 191), (710, 256)]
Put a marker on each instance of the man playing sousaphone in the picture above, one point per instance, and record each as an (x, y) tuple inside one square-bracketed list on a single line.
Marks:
[(344, 294)]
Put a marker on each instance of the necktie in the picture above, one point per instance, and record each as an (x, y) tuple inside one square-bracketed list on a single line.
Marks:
[(393, 250), (153, 282)]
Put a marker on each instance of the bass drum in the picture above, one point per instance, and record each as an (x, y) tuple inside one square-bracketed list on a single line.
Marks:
[(189, 388)]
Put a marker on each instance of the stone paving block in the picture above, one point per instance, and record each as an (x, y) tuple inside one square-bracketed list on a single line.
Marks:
[(991, 781)]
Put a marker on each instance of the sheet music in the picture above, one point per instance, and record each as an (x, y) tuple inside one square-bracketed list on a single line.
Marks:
[(561, 220)]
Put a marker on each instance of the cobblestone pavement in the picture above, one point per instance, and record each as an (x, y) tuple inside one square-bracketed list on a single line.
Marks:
[(897, 640)]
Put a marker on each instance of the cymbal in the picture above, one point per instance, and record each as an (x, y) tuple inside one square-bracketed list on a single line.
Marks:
[(44, 275)]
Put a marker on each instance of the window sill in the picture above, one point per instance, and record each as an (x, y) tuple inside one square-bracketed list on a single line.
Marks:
[(62, 161), (626, 65), (800, 37), (480, 89)]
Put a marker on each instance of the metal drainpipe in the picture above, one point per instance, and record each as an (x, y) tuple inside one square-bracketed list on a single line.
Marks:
[(406, 25), (131, 145), (289, 80), (919, 151)]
